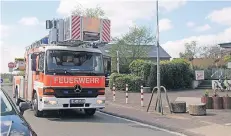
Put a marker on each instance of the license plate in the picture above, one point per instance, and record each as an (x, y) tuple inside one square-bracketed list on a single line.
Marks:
[(77, 101)]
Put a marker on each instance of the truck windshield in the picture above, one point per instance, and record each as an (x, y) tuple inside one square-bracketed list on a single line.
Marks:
[(74, 61)]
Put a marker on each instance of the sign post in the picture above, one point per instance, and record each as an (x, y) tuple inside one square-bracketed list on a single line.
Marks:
[(11, 65)]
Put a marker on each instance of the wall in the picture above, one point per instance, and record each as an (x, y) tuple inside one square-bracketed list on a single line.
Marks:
[(195, 83)]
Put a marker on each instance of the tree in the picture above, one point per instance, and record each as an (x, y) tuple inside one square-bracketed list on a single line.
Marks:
[(89, 12), (210, 52), (131, 46), (191, 50)]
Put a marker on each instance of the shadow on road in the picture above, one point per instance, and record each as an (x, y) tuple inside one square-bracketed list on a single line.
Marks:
[(79, 116), (68, 115)]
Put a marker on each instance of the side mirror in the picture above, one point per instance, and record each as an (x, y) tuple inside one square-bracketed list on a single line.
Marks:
[(33, 65), (23, 106)]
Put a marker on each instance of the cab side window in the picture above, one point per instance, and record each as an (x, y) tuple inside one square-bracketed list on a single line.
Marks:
[(41, 61)]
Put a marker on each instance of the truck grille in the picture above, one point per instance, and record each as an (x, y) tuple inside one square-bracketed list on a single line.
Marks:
[(69, 93)]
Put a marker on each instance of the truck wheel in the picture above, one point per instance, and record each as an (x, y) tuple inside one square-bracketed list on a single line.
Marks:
[(17, 100), (37, 113), (89, 112)]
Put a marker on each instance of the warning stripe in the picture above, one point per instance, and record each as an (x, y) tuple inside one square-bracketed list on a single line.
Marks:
[(76, 27), (106, 31)]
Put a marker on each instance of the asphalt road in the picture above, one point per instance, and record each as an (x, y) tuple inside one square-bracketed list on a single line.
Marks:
[(74, 123)]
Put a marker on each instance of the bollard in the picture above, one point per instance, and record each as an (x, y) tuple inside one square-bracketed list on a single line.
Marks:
[(142, 96), (126, 93), (113, 89)]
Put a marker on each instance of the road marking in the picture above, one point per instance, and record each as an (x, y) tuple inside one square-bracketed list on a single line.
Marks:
[(145, 125)]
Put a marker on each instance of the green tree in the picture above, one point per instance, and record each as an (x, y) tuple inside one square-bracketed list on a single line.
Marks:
[(97, 12), (131, 46), (191, 50)]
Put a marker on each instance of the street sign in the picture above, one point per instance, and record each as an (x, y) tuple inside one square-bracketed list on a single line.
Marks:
[(199, 74), (1, 80), (11, 65)]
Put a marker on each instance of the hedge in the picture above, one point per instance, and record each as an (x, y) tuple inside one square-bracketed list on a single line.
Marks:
[(141, 68), (113, 76), (134, 82), (175, 74)]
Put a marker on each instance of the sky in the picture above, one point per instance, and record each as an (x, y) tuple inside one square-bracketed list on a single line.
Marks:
[(180, 21)]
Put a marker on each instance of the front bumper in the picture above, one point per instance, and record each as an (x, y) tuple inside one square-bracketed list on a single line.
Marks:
[(53, 103)]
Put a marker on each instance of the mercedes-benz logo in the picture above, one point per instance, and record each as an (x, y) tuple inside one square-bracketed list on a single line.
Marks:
[(77, 89)]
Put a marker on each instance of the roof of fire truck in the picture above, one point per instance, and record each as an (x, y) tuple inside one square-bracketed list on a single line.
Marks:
[(71, 48), (74, 46)]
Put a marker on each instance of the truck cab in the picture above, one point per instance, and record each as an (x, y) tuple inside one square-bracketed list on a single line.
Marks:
[(62, 77)]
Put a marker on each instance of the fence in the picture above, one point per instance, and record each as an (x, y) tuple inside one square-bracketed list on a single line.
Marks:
[(214, 73)]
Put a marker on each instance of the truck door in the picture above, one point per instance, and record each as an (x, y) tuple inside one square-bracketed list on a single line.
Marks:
[(26, 78), (30, 79)]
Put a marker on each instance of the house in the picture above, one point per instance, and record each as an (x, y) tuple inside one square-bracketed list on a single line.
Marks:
[(152, 53), (225, 45)]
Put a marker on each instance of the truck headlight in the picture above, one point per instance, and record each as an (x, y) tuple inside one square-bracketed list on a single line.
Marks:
[(100, 101), (50, 102)]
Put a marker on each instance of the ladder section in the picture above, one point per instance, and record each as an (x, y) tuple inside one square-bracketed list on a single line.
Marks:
[(79, 28), (75, 31)]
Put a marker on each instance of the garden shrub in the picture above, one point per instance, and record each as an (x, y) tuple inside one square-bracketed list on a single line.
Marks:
[(113, 76), (141, 68), (175, 74), (134, 82)]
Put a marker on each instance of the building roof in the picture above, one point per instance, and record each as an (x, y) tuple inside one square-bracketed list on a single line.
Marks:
[(151, 54), (225, 45)]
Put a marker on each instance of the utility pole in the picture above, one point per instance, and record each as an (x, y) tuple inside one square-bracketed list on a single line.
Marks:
[(118, 63), (158, 58)]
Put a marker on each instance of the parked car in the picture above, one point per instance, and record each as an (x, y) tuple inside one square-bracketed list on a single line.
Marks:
[(12, 121)]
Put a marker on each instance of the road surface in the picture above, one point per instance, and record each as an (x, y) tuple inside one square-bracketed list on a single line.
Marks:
[(74, 123)]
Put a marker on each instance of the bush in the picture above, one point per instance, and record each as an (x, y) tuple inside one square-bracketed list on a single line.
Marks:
[(113, 76), (175, 74), (134, 82), (136, 67), (141, 68)]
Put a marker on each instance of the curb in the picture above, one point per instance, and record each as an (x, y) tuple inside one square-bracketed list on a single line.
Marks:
[(178, 130)]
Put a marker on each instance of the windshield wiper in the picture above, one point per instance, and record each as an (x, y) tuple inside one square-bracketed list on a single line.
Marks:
[(61, 71), (90, 73)]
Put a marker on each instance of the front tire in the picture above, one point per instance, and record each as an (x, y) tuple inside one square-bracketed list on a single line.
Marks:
[(37, 113), (89, 112)]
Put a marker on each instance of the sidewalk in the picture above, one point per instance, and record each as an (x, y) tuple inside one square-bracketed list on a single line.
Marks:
[(216, 123)]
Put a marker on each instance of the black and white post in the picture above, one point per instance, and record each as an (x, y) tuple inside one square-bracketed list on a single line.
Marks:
[(126, 93), (142, 96), (113, 89)]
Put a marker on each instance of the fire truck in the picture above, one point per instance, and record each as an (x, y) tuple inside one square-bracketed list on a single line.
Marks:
[(65, 70)]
